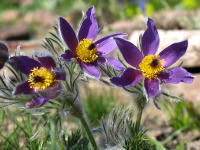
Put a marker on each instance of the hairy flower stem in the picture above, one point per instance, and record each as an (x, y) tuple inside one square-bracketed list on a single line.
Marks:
[(138, 120), (78, 111), (88, 131), (140, 104)]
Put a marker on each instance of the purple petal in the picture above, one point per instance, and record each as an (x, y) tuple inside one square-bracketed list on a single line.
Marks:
[(118, 35), (142, 5), (106, 46), (60, 73), (115, 64), (67, 34), (130, 77), (36, 102), (150, 39), (91, 69), (102, 60), (68, 55), (51, 92), (24, 88), (47, 62), (152, 87), (129, 51), (24, 63), (173, 52), (175, 76), (89, 27)]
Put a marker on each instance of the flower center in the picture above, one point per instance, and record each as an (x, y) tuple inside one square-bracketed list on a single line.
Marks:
[(151, 66), (41, 78), (86, 51)]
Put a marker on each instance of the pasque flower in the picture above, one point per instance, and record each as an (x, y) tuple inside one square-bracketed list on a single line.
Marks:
[(154, 68), (85, 49), (43, 78)]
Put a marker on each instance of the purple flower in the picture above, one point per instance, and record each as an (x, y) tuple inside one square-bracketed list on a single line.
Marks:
[(43, 78), (141, 4), (84, 48), (149, 65)]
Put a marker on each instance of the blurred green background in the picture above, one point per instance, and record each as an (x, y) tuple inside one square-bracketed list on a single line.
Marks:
[(31, 19), (120, 9)]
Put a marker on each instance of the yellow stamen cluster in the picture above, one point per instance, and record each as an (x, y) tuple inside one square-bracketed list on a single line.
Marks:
[(151, 66), (85, 53), (41, 78)]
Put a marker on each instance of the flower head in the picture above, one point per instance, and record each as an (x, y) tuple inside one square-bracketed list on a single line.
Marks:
[(85, 49), (43, 78), (149, 65)]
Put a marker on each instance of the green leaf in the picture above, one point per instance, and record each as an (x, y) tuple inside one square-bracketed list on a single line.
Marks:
[(157, 144)]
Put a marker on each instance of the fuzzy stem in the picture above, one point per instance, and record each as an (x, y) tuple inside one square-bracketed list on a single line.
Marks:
[(89, 133), (138, 120), (79, 111), (140, 104)]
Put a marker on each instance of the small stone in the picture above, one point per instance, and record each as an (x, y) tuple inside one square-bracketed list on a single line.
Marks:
[(40, 17), (127, 26), (19, 31), (9, 15), (193, 145)]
